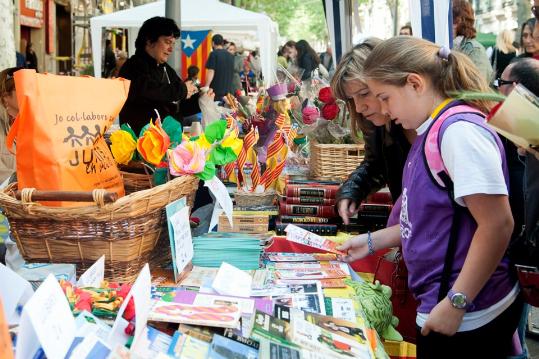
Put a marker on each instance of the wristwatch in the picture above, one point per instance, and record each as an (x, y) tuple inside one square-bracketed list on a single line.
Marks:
[(459, 300)]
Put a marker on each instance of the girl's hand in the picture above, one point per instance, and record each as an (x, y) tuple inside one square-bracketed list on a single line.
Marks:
[(444, 319), (356, 247), (347, 208)]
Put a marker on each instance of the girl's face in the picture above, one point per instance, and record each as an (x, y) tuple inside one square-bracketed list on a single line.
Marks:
[(528, 41), (9, 101), (365, 102), (409, 105)]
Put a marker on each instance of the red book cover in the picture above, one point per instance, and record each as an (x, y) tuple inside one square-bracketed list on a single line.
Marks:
[(329, 191), (301, 210), (311, 200)]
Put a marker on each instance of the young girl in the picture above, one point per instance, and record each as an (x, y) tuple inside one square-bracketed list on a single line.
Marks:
[(414, 80)]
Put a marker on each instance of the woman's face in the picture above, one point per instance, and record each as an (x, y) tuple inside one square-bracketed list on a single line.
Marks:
[(365, 102), (9, 101), (290, 52), (528, 41)]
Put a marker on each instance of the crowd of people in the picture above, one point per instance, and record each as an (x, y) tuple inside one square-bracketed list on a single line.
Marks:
[(463, 194)]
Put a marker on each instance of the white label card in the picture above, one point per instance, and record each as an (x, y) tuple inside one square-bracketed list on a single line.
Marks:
[(223, 200), (183, 243), (232, 281), (14, 295), (94, 275), (47, 315)]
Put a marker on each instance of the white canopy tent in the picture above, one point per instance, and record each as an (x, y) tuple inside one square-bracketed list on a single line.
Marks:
[(196, 15)]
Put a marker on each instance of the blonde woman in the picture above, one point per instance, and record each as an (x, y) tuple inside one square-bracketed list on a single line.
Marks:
[(504, 51)]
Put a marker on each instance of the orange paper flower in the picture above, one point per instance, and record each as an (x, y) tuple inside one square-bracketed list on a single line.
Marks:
[(153, 144)]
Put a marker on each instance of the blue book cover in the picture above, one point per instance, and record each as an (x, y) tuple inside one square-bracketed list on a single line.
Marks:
[(224, 348)]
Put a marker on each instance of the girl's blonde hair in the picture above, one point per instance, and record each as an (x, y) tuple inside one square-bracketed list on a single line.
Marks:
[(350, 68), (393, 60), (504, 41)]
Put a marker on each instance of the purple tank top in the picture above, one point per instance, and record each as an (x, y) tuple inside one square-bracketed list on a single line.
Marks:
[(425, 222)]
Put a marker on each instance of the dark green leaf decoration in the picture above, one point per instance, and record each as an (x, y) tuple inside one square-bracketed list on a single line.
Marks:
[(174, 130)]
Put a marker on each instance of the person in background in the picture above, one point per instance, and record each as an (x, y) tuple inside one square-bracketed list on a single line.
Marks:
[(20, 59), (464, 32), (220, 68), (110, 60), (281, 59), (154, 84), (31, 57), (303, 55), (504, 51), (247, 77), (238, 66), (326, 59), (192, 74), (122, 58), (525, 71), (406, 30), (527, 41)]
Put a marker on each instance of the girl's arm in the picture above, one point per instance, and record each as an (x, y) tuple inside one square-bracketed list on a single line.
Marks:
[(494, 228), (357, 247)]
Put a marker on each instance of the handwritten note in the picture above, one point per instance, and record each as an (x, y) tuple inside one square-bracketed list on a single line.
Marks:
[(223, 200), (171, 209), (183, 243), (47, 315), (94, 275), (302, 236)]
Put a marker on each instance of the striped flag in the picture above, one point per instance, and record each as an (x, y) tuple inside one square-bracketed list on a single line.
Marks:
[(196, 47), (432, 22)]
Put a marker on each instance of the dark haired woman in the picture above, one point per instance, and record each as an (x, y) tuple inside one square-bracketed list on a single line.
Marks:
[(465, 33), (154, 84), (527, 42), (304, 55)]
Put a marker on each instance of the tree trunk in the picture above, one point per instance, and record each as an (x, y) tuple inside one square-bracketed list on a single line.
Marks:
[(7, 38)]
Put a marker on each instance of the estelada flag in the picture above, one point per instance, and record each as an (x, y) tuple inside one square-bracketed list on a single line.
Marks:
[(196, 46)]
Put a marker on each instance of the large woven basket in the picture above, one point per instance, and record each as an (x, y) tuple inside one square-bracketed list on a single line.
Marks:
[(334, 161), (125, 231)]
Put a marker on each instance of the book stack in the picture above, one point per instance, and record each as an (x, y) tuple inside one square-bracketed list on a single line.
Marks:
[(255, 219), (373, 213), (310, 206), (241, 250)]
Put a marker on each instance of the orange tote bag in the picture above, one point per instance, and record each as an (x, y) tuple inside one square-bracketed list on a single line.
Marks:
[(58, 134)]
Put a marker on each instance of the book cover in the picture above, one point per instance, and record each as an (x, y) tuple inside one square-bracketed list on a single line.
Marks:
[(202, 333), (305, 295), (310, 200), (310, 274), (314, 210), (224, 315), (224, 226), (323, 191), (300, 257), (230, 334), (307, 219), (272, 350), (225, 348), (268, 327), (186, 347), (321, 229), (299, 235)]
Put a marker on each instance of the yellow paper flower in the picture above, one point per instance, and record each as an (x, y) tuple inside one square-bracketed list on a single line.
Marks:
[(153, 144), (233, 142), (123, 146), (203, 142)]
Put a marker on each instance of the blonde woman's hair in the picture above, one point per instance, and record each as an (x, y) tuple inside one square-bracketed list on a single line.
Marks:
[(393, 60), (350, 68), (504, 41)]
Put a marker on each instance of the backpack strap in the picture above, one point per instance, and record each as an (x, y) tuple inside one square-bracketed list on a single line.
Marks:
[(440, 176)]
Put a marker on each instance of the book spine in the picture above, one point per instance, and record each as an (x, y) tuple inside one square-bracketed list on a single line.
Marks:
[(245, 219), (378, 208), (311, 200), (243, 228), (311, 191), (301, 219), (300, 210), (242, 340), (321, 229)]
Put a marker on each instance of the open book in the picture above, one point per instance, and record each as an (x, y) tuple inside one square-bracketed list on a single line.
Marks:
[(517, 118)]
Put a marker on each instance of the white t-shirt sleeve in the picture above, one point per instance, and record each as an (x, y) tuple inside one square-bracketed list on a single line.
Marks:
[(473, 160)]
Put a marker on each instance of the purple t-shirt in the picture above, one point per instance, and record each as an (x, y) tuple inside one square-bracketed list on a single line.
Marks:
[(425, 220)]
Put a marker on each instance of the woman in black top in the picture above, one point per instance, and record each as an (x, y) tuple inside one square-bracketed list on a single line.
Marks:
[(31, 57), (504, 51), (304, 55)]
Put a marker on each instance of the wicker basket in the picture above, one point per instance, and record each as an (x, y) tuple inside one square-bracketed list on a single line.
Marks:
[(125, 231), (334, 161), (246, 199), (136, 177)]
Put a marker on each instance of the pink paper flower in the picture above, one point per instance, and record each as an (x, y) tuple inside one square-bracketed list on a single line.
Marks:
[(187, 158), (310, 114)]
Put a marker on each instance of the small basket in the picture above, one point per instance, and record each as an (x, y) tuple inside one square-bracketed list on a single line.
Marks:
[(246, 199), (334, 161), (125, 231), (136, 177)]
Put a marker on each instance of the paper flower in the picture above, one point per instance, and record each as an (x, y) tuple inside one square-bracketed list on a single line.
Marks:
[(330, 111), (153, 144), (187, 158), (326, 95), (123, 146), (310, 114)]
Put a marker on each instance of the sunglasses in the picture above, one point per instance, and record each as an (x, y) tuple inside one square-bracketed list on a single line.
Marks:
[(535, 11), (499, 82)]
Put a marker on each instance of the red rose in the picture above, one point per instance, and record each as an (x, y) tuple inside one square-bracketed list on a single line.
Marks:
[(330, 111), (326, 95)]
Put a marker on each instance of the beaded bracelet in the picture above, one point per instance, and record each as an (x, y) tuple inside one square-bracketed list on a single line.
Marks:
[(370, 244)]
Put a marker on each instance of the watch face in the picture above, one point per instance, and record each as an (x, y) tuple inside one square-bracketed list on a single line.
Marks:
[(459, 300)]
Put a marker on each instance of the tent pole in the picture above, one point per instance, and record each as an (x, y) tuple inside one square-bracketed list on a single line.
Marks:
[(173, 11)]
